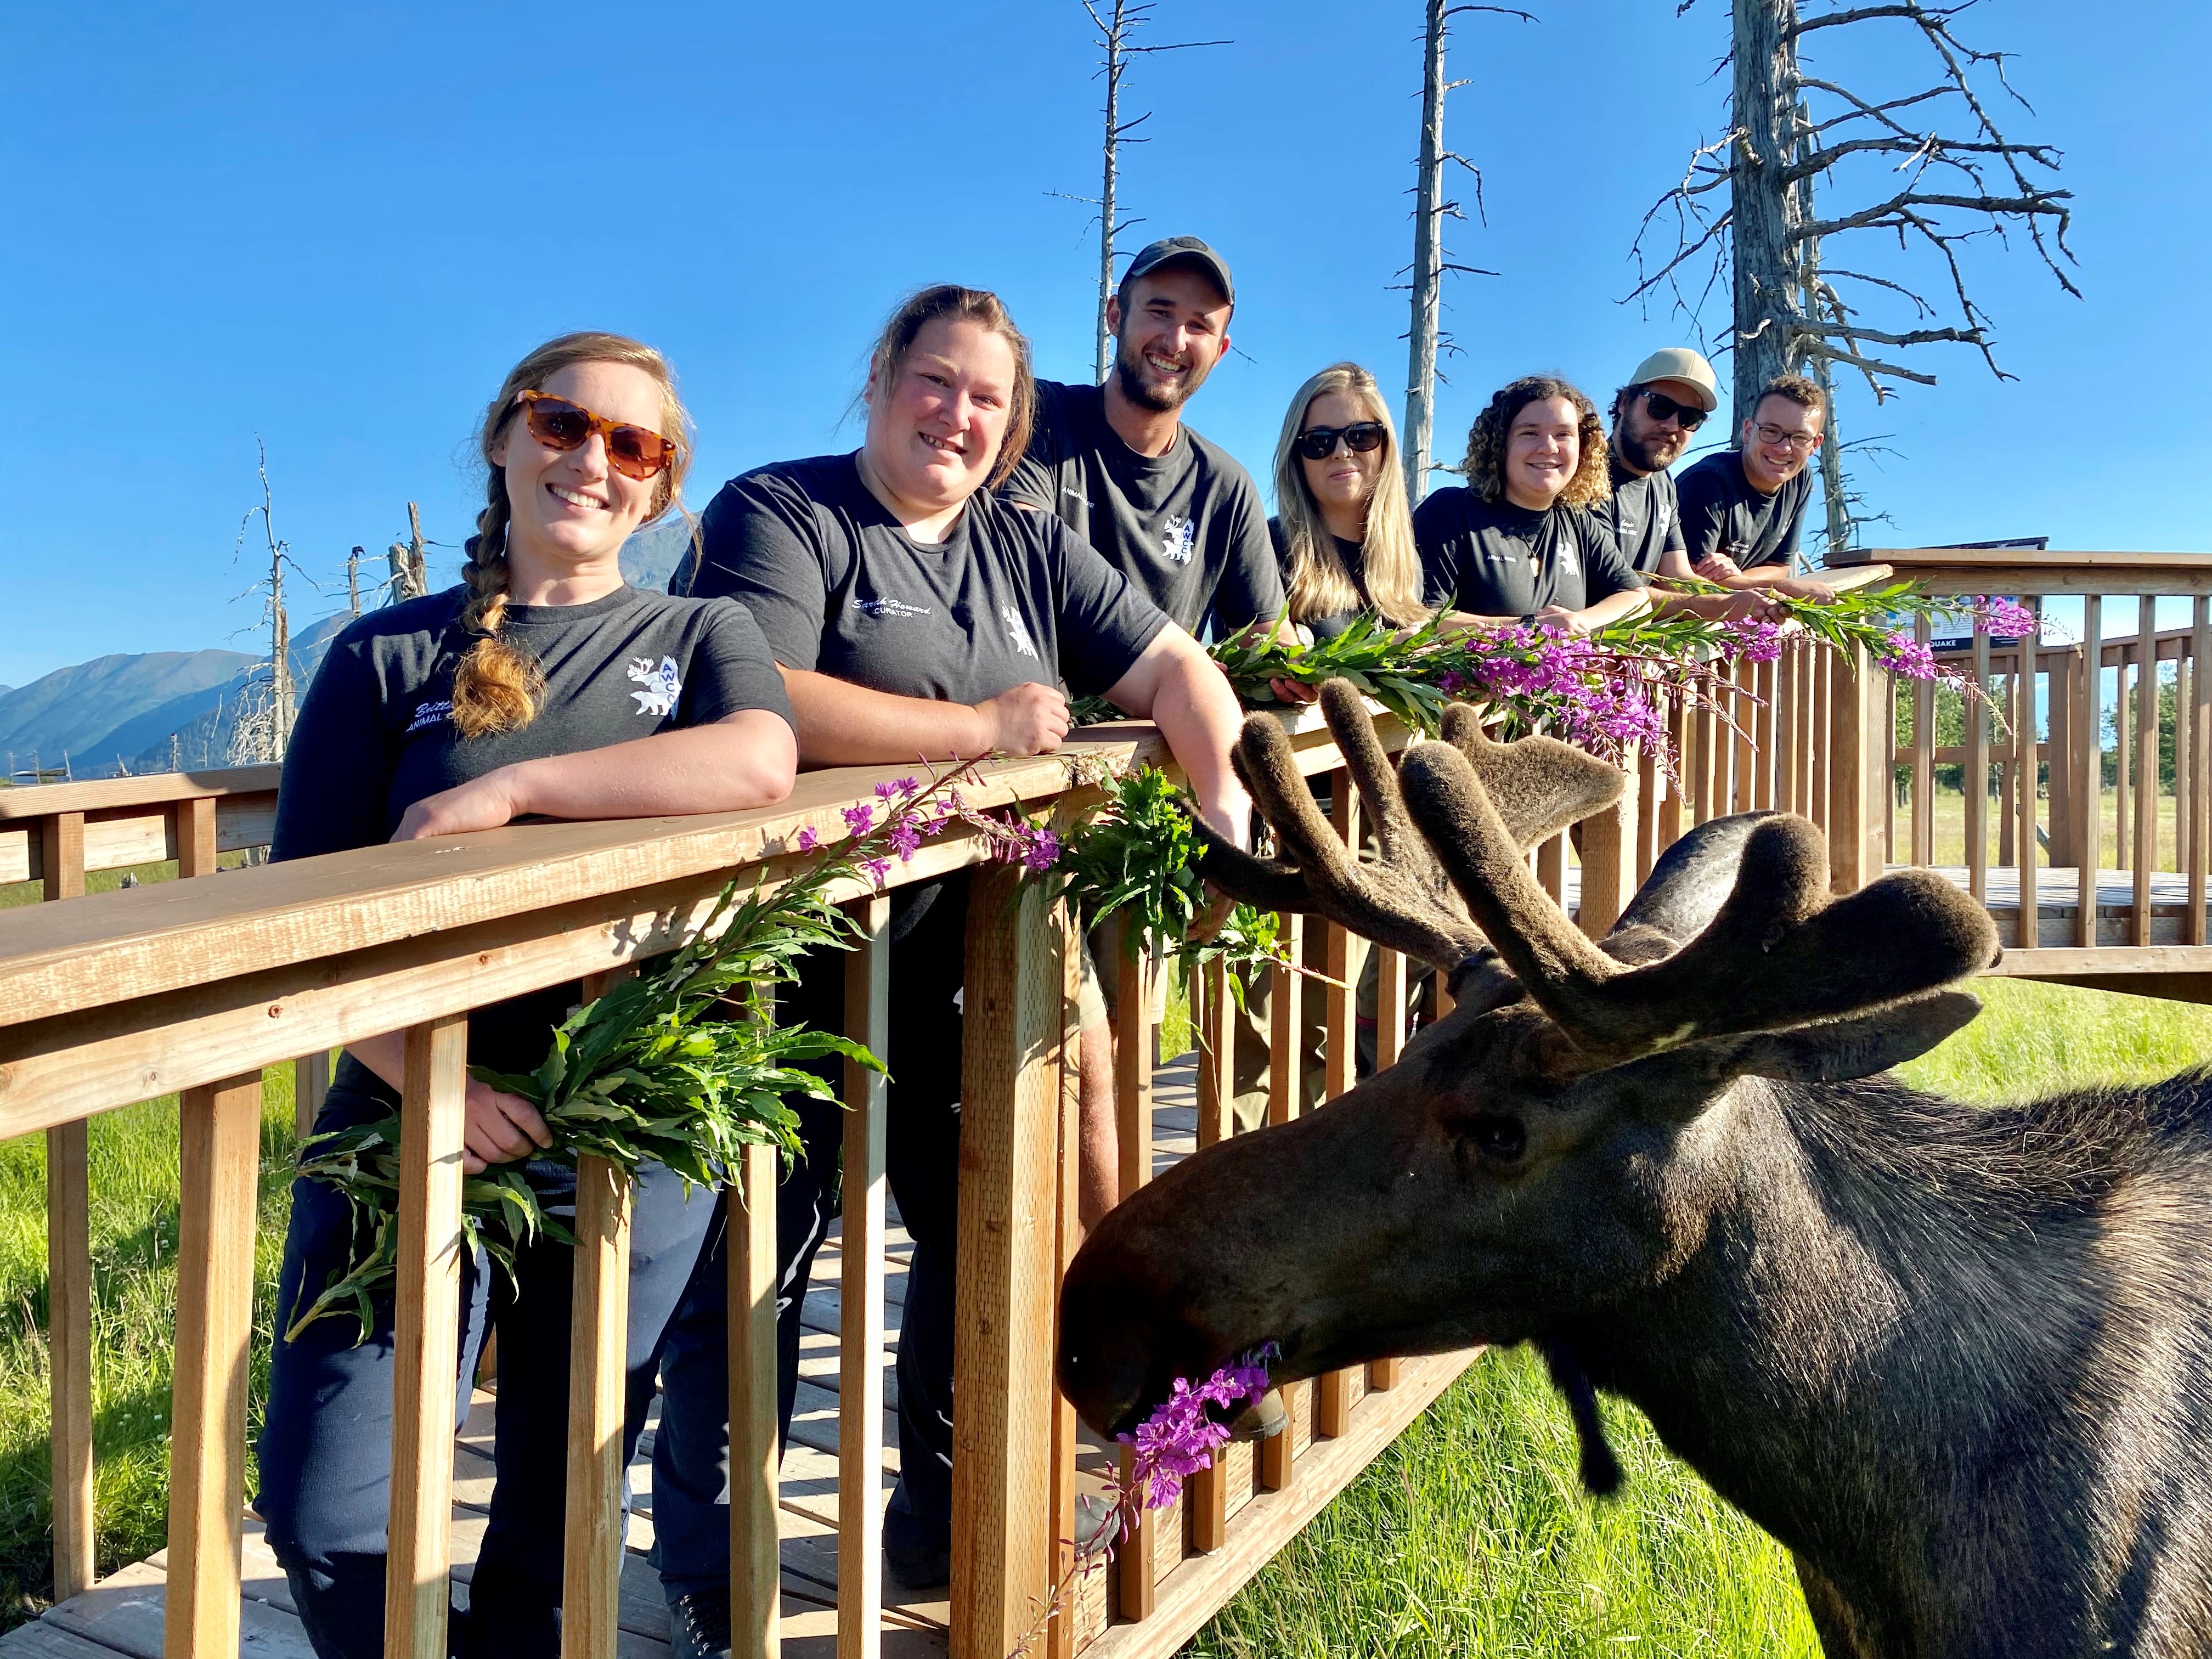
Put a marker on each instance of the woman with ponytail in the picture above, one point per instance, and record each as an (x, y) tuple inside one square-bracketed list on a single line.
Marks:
[(543, 685)]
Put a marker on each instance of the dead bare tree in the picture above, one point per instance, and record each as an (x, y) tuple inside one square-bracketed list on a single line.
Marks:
[(410, 576), (1791, 131), (1115, 28), (353, 579), (263, 726), (1430, 261)]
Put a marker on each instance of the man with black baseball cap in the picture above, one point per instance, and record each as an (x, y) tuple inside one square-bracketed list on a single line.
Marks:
[(1170, 510)]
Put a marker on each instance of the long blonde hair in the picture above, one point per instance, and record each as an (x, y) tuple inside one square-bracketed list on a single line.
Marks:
[(1318, 582), (500, 687)]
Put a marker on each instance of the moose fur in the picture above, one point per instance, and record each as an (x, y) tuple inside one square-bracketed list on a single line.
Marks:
[(1958, 1360)]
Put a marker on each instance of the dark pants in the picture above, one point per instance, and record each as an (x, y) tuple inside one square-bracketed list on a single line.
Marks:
[(690, 1453), (326, 1446)]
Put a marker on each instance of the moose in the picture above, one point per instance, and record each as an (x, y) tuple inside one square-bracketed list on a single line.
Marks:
[(1957, 1359)]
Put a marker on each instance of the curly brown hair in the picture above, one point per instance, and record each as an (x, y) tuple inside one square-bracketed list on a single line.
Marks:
[(1485, 469)]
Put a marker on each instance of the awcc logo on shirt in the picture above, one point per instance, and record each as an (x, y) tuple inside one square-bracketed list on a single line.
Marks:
[(662, 688), (1178, 540), (1019, 632)]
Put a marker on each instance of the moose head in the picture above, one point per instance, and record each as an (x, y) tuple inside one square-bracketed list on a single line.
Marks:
[(1552, 1147)]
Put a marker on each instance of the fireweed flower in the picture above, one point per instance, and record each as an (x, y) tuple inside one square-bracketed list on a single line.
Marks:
[(905, 838), (1755, 640), (860, 819), (808, 841), (2009, 617), (879, 870), (1180, 1438), (1907, 656)]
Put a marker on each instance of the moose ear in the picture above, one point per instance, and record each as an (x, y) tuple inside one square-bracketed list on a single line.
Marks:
[(1680, 1083)]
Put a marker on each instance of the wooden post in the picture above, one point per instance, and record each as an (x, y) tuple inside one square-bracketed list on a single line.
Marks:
[(1703, 763), (2025, 767), (1333, 1390), (1743, 792), (755, 1616), (311, 1085), (1133, 1061), (1820, 670), (218, 1167), (1610, 859), (426, 1340), (194, 834), (1389, 1042), (69, 1347), (1670, 826), (1923, 749), (860, 1317), (2145, 747), (2124, 674), (1285, 1077), (2184, 705), (1764, 759), (1856, 689), (1789, 682), (1648, 783), (1002, 1545), (2089, 775)]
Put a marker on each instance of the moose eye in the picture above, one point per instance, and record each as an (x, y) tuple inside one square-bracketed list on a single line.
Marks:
[(1501, 1139)]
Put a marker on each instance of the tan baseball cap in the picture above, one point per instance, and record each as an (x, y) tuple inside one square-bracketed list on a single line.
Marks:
[(1680, 363)]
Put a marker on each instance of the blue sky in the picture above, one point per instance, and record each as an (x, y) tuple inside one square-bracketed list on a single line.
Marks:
[(337, 227)]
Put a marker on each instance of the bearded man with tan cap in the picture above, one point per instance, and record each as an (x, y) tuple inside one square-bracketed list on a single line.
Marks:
[(1669, 397)]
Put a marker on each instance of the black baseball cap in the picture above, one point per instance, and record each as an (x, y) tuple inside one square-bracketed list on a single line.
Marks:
[(1169, 250)]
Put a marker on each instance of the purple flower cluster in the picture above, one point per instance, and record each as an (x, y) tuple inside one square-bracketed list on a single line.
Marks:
[(1180, 1437), (1563, 683), (1906, 655), (2008, 618), (1754, 641)]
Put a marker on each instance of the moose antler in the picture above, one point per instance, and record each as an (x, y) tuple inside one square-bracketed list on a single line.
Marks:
[(1779, 952), (1402, 898)]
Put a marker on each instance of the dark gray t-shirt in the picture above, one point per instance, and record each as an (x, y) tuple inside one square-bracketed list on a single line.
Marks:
[(841, 588), (1355, 565), (1722, 513), (1187, 526), (376, 732), (1498, 560), (1643, 515)]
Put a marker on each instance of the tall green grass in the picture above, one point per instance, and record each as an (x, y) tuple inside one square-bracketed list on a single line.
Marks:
[(1471, 1536)]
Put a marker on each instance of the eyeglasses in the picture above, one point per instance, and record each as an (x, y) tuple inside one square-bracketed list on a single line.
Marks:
[(1769, 433), (635, 452), (1661, 407), (1318, 443)]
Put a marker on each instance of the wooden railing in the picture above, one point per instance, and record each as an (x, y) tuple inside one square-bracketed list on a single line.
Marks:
[(2032, 759), (193, 987)]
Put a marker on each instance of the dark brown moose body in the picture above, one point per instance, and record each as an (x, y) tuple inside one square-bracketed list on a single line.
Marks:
[(1958, 1360)]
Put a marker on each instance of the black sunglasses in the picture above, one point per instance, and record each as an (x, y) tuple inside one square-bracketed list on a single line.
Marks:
[(1659, 406), (1318, 443)]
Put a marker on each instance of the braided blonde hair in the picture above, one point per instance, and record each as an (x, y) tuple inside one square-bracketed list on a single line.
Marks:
[(500, 687)]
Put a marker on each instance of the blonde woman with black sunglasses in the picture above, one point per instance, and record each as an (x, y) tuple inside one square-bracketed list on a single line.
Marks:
[(1343, 532)]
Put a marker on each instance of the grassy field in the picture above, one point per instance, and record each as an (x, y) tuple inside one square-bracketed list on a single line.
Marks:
[(1950, 830), (1470, 1536)]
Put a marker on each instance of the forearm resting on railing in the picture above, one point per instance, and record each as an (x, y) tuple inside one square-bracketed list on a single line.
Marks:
[(1178, 687), (747, 759), (842, 723)]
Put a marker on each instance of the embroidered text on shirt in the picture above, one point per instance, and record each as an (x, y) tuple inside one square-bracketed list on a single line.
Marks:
[(881, 608), (430, 715)]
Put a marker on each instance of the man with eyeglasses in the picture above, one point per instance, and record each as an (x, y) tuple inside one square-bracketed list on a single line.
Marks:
[(1743, 509), (1653, 416)]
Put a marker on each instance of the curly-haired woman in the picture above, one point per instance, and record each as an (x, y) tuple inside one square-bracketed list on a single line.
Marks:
[(1519, 540), (515, 692)]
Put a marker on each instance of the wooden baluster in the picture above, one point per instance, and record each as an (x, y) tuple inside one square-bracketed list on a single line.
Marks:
[(1067, 1238), (1002, 1543), (2146, 780), (1333, 1390), (860, 1316), (69, 1274), (2008, 769), (2124, 677), (1789, 679), (1705, 726), (1389, 1041), (1646, 850), (69, 1346), (311, 1086), (2089, 776), (1765, 683), (1552, 867), (1136, 1564), (1277, 1456), (1854, 700), (2059, 696), (1975, 779), (1923, 749), (1208, 1489), (2027, 766), (2185, 673), (1671, 825), (1610, 841), (1822, 670), (1743, 792), (191, 827), (426, 1357), (218, 1166), (591, 1562), (2199, 805), (756, 1610)]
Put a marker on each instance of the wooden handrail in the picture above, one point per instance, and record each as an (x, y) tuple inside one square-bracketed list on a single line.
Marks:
[(153, 789), (2013, 570)]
